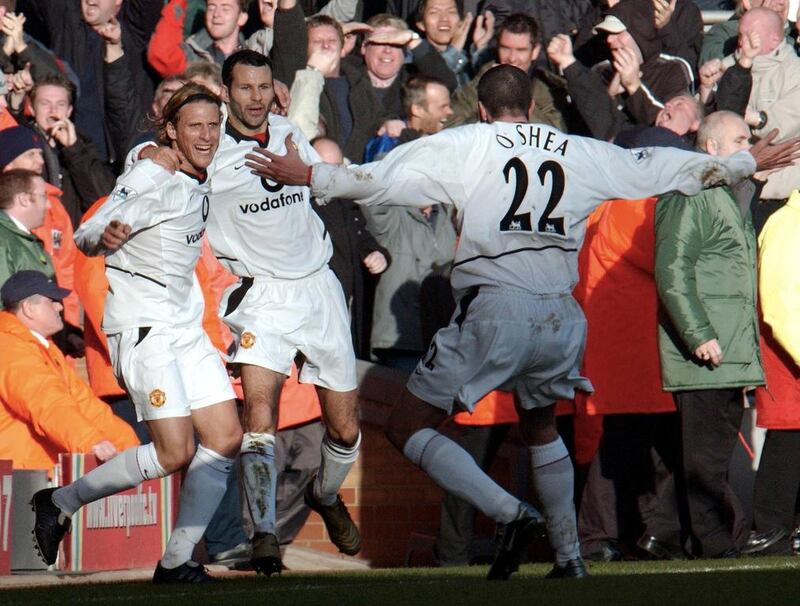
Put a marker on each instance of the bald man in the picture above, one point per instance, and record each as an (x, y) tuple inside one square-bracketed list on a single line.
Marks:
[(705, 273), (775, 95)]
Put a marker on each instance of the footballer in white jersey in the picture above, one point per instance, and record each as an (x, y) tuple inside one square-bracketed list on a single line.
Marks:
[(523, 193), (286, 306), (150, 230)]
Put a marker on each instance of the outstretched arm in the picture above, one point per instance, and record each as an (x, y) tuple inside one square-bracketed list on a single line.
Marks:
[(412, 174)]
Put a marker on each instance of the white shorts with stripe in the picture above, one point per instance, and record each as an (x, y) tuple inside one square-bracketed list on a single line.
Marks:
[(273, 321), (169, 371)]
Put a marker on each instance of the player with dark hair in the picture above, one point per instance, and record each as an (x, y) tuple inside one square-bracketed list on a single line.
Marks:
[(158, 348), (523, 193), (287, 305)]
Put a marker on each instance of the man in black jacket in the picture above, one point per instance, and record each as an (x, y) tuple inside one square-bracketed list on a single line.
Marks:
[(70, 28), (634, 86), (72, 162), (362, 95)]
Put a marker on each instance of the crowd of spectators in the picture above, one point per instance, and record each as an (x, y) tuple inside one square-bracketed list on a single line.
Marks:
[(83, 81)]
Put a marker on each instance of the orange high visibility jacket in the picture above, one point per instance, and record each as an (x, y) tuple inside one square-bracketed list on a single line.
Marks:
[(617, 292), (92, 286), (56, 236), (7, 120), (45, 408)]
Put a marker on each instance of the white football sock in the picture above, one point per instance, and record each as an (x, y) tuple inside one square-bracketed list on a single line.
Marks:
[(126, 470), (336, 463), (260, 479), (203, 488), (452, 468), (553, 481)]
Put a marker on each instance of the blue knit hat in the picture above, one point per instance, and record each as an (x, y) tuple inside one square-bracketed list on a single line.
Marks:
[(15, 141)]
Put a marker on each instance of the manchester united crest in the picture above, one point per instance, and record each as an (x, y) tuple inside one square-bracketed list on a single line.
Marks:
[(158, 398), (248, 340)]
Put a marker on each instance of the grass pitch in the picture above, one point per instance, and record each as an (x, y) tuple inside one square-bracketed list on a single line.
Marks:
[(746, 582)]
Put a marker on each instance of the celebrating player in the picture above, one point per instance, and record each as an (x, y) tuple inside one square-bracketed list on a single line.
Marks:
[(523, 193), (159, 351), (287, 305)]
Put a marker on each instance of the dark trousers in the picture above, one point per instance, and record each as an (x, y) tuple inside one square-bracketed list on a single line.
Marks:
[(777, 481), (710, 420), (630, 488)]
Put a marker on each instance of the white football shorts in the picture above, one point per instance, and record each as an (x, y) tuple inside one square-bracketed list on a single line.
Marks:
[(274, 320), (169, 371)]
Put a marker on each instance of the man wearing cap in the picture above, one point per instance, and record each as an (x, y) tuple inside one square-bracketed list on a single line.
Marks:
[(21, 148), (45, 409), (634, 85)]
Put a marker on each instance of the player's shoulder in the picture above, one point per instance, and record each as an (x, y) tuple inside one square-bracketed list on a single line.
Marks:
[(141, 178), (280, 126)]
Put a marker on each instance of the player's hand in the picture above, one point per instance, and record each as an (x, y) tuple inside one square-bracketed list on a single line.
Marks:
[(663, 10), (769, 155), (280, 105), (63, 132), (484, 30), (375, 262), (115, 235), (392, 128), (749, 48), (288, 169), (104, 450), (710, 351), (559, 51), (627, 65), (167, 158), (459, 39)]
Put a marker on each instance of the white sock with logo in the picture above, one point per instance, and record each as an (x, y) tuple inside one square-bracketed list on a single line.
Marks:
[(336, 463), (126, 470)]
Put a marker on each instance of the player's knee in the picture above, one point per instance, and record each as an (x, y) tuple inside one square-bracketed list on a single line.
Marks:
[(346, 436), (409, 416), (228, 444), (176, 456)]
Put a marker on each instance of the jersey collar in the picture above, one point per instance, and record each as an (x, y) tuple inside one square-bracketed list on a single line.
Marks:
[(201, 179), (238, 137)]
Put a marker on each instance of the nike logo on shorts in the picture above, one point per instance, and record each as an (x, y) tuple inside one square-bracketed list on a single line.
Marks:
[(238, 167)]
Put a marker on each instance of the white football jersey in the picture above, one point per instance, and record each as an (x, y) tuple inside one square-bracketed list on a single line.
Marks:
[(151, 277), (258, 228), (523, 193)]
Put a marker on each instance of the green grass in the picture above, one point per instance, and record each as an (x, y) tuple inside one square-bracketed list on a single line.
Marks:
[(746, 582)]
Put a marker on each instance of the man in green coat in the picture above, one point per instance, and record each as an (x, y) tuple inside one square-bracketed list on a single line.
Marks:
[(23, 204), (708, 336)]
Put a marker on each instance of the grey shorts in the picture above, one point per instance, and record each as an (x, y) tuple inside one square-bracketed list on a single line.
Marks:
[(505, 339)]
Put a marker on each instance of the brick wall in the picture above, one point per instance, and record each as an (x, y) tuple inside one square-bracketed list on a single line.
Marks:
[(389, 498)]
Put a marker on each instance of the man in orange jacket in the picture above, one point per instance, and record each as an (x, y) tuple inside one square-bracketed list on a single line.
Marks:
[(45, 409), (21, 148)]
